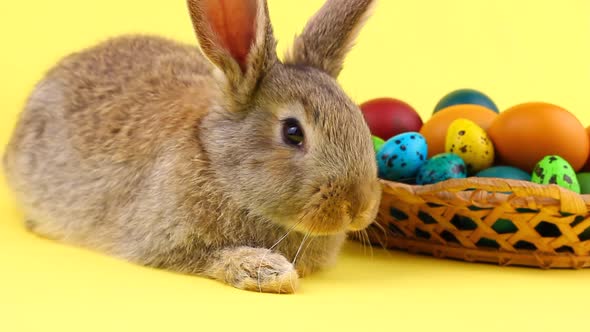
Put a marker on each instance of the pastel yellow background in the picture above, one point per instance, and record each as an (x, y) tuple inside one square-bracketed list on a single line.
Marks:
[(514, 50)]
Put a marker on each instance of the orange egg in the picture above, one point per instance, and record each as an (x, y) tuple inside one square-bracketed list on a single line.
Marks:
[(435, 129), (586, 167), (526, 133)]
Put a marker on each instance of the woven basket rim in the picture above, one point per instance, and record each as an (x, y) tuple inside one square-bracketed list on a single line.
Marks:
[(570, 201)]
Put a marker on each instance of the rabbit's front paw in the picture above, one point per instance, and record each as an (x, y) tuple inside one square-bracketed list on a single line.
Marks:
[(258, 269)]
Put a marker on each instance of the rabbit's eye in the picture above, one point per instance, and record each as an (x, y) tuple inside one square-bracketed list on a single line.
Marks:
[(292, 132)]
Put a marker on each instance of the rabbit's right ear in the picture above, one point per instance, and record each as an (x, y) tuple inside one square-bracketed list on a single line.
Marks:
[(330, 34), (236, 35)]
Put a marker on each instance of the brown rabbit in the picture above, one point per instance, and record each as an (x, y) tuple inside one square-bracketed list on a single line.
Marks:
[(250, 171)]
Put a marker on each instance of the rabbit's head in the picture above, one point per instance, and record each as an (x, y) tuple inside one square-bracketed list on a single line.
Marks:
[(285, 141)]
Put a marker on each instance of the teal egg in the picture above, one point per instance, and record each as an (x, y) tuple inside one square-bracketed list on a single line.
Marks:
[(554, 169), (584, 181), (441, 167), (466, 96), (504, 172)]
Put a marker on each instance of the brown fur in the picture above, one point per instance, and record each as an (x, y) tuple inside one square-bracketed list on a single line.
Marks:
[(330, 34), (141, 149)]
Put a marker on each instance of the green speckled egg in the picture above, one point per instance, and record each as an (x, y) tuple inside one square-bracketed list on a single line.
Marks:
[(377, 143), (584, 181), (470, 142), (554, 169)]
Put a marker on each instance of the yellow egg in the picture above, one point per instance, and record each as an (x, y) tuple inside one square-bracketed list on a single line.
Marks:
[(470, 142)]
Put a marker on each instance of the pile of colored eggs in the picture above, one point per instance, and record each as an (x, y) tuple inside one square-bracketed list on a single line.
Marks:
[(467, 135)]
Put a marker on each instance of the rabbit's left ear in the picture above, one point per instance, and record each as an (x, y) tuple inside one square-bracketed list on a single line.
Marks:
[(330, 34), (236, 35)]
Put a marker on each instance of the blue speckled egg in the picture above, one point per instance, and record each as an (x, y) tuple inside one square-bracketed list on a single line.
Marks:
[(402, 156), (442, 167)]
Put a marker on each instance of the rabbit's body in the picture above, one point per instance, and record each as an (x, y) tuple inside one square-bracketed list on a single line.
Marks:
[(98, 197), (129, 148)]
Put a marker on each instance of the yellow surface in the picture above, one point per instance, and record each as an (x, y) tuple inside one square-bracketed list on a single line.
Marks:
[(414, 50)]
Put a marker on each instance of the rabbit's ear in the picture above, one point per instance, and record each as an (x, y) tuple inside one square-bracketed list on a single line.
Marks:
[(236, 35), (330, 34)]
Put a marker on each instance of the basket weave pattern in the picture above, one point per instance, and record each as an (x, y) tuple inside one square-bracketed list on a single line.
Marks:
[(507, 222)]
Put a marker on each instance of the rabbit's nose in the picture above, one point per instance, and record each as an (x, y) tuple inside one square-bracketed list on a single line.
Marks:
[(364, 202), (354, 200), (359, 196)]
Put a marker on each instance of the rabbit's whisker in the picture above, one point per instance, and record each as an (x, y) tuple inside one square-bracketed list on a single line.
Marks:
[(381, 228), (300, 247), (384, 231), (286, 234), (367, 242), (362, 242), (310, 240), (271, 248)]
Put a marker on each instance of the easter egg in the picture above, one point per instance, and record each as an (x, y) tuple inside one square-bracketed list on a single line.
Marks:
[(504, 172), (387, 117), (435, 129), (471, 143), (554, 169), (466, 96), (401, 156), (584, 181), (441, 167), (526, 133), (377, 143), (586, 167)]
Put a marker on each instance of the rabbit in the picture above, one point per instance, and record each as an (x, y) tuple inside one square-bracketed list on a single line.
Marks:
[(217, 159)]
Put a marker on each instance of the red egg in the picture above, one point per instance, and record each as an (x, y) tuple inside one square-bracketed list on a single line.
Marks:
[(388, 117)]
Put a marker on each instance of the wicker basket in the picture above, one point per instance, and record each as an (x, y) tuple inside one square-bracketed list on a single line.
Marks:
[(507, 222)]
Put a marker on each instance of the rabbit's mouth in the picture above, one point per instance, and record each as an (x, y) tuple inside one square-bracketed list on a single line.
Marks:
[(331, 211), (365, 218)]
